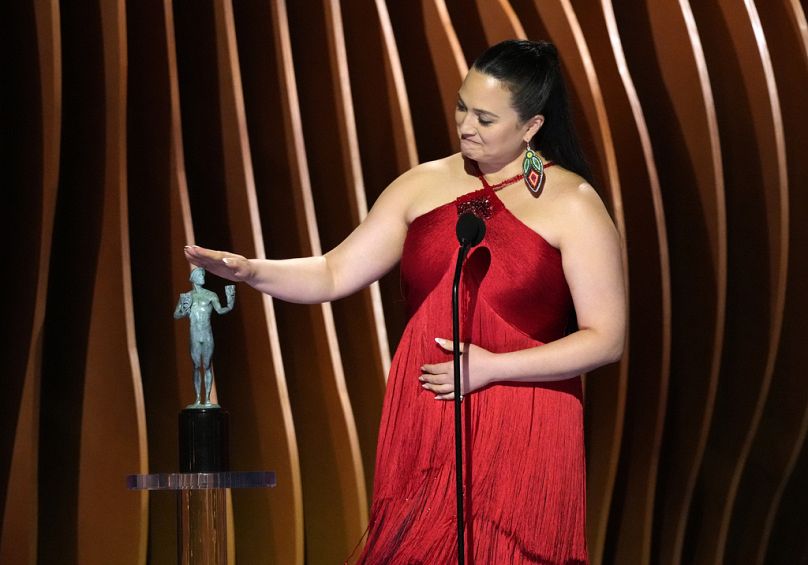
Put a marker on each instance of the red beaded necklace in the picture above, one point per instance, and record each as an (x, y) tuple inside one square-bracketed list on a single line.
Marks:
[(507, 181)]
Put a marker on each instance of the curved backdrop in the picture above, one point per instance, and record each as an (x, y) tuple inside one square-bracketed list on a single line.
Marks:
[(131, 128)]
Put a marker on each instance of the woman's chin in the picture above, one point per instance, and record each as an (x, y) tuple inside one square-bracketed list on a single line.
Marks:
[(469, 150)]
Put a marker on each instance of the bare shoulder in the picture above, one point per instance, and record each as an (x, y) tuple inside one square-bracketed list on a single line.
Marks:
[(426, 186), (578, 197), (429, 172), (579, 212)]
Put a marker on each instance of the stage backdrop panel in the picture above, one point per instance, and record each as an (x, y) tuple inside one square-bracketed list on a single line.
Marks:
[(270, 128)]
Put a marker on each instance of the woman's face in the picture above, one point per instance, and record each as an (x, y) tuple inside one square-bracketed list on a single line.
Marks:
[(487, 124)]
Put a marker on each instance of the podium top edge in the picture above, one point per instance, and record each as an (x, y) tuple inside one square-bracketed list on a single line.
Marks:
[(201, 481)]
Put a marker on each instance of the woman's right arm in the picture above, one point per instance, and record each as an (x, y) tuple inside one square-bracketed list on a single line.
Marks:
[(369, 252)]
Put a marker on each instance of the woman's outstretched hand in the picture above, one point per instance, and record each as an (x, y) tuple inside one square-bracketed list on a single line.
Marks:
[(221, 263), (476, 371)]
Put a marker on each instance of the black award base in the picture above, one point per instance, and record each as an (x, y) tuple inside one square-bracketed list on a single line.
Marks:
[(204, 440)]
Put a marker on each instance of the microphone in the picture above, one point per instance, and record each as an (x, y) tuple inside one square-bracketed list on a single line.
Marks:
[(470, 230)]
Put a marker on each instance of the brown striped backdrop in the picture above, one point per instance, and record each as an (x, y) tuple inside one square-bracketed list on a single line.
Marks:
[(131, 128)]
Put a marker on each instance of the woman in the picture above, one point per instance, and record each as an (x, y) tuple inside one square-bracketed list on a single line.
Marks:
[(551, 252)]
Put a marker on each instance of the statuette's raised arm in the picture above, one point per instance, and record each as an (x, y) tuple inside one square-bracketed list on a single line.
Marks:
[(230, 292), (183, 306)]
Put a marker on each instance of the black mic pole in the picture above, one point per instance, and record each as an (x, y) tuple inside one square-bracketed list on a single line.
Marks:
[(470, 232), (461, 256)]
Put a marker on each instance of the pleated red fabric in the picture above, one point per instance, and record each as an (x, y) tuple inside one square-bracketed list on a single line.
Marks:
[(524, 463)]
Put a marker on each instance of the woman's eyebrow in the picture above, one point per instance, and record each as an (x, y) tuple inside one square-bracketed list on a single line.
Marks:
[(478, 110)]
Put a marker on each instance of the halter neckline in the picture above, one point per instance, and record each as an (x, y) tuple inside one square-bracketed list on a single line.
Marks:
[(502, 184)]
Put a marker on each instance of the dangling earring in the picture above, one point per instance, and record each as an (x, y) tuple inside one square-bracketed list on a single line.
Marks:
[(533, 170)]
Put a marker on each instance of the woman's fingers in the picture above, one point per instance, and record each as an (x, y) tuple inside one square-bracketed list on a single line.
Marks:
[(437, 373), (200, 256), (448, 344), (222, 263), (441, 383), (437, 368), (440, 389), (435, 379), (439, 377), (206, 256)]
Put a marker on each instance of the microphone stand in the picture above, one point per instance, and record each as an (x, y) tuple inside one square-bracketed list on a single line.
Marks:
[(461, 256), (470, 232)]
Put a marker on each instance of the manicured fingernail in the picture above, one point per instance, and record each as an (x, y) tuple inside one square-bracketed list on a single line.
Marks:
[(226, 261), (424, 386), (439, 340)]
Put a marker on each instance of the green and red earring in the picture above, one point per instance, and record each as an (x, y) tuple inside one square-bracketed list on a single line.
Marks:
[(533, 170)]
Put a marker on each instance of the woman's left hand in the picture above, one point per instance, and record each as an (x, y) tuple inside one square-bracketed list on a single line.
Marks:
[(476, 371)]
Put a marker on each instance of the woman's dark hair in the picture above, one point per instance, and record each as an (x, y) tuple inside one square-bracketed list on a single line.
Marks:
[(531, 72)]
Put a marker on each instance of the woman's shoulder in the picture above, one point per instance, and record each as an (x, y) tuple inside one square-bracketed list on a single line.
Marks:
[(576, 204), (428, 184), (570, 193), (439, 170)]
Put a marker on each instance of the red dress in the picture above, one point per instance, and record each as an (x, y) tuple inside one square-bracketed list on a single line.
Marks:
[(523, 443)]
